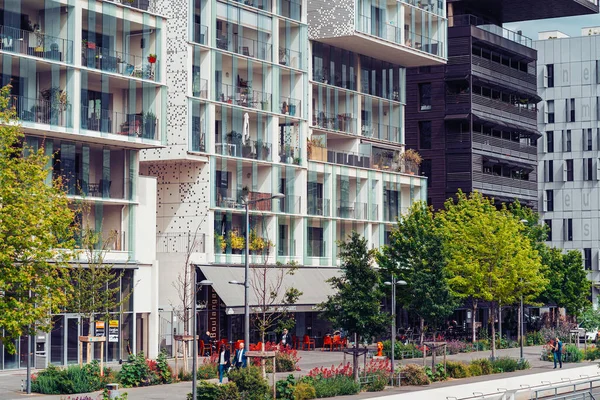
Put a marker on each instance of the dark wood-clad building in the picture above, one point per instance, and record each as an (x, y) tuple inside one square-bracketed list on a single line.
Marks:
[(474, 120)]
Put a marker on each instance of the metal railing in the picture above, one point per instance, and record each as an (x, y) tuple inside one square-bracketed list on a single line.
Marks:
[(252, 149), (260, 4), (243, 45), (201, 34), (289, 155), (110, 60), (335, 122), (180, 242), (290, 106), (317, 206), (242, 96), (380, 29), (351, 209), (316, 248), (468, 19), (41, 111), (130, 125), (36, 44), (381, 131), (349, 158), (144, 5)]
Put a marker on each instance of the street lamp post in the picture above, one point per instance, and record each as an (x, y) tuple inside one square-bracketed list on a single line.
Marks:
[(246, 283), (524, 222), (195, 330), (393, 284)]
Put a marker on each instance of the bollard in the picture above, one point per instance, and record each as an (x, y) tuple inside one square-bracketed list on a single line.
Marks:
[(113, 390)]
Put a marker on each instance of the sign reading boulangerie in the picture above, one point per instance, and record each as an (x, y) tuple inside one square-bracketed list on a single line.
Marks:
[(113, 330)]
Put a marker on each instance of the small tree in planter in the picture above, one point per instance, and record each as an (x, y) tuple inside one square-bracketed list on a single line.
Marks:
[(411, 160), (149, 125)]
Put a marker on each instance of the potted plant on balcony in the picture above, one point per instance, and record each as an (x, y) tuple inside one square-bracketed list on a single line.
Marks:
[(220, 243), (411, 160), (283, 58), (235, 241), (149, 125), (58, 102), (315, 149), (258, 245), (151, 58)]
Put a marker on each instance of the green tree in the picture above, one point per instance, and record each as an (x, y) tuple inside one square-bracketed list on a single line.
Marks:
[(489, 258), (415, 254), (35, 235), (575, 287), (355, 306)]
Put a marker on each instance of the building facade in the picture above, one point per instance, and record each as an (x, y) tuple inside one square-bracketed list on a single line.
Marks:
[(269, 97), (88, 86), (474, 121), (568, 153)]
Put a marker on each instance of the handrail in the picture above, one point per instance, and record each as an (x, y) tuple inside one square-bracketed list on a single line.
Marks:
[(472, 20), (36, 44)]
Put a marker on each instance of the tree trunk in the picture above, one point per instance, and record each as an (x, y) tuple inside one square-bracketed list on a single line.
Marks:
[(355, 358), (262, 349), (422, 329), (500, 321), (557, 316), (493, 322), (473, 320)]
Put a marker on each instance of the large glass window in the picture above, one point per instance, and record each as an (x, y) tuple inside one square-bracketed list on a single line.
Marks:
[(382, 79), (333, 66)]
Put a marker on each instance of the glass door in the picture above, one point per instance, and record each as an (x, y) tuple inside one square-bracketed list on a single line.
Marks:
[(72, 339)]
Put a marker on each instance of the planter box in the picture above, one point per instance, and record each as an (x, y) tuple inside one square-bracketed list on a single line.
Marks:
[(318, 154)]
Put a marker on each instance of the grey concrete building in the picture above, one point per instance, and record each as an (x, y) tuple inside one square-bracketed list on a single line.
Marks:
[(568, 73)]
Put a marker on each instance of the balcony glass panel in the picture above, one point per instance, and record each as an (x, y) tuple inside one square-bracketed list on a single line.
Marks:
[(381, 119), (198, 131), (290, 9), (249, 181), (242, 134), (472, 20), (334, 66), (382, 79)]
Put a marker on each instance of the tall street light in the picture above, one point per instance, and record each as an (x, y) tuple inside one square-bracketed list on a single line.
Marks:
[(246, 283), (393, 284), (202, 283), (521, 311)]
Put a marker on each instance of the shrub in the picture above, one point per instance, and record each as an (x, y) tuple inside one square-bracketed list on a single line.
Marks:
[(457, 370), (377, 382), (212, 391), (335, 386), (322, 372), (534, 339), (137, 372), (456, 346), (184, 375), (207, 370), (285, 388), (483, 366), (165, 373), (286, 358), (402, 351), (377, 373), (304, 391), (74, 379), (250, 383), (438, 375), (572, 353), (592, 353), (414, 375), (504, 364)]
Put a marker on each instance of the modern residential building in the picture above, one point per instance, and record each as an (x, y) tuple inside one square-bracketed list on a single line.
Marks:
[(568, 153), (474, 121), (88, 86), (269, 97)]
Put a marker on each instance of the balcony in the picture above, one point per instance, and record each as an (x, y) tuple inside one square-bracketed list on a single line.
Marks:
[(243, 45), (109, 60), (317, 206), (286, 248), (391, 161), (243, 96), (200, 87), (130, 125), (251, 149), (344, 123), (490, 69), (290, 106), (382, 132), (180, 242), (36, 44), (493, 106), (290, 204), (260, 4), (290, 9), (289, 57), (41, 111), (144, 5), (316, 248), (201, 34), (236, 202), (472, 20), (502, 146), (289, 155), (507, 186), (351, 210), (349, 158)]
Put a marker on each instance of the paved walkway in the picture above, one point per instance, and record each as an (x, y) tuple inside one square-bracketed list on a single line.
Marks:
[(10, 381)]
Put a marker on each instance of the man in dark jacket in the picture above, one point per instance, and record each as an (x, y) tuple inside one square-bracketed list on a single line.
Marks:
[(240, 360), (286, 339)]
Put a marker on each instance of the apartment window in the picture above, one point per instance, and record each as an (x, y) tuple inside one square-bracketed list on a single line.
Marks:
[(550, 69), (569, 170), (549, 171), (425, 134), (567, 140), (588, 139), (570, 110), (550, 200), (587, 169), (426, 171), (548, 223), (587, 259), (550, 142), (425, 96), (568, 229), (550, 111)]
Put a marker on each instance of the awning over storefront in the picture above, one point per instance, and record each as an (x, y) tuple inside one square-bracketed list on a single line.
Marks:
[(311, 281)]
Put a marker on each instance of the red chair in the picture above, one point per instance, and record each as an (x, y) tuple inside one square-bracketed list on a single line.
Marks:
[(204, 348), (345, 343), (307, 342), (295, 342), (337, 342), (327, 342)]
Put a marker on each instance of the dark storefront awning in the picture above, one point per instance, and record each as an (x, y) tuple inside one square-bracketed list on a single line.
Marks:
[(312, 282)]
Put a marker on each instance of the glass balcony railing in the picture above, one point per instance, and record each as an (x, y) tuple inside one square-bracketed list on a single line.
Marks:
[(131, 125), (200, 87), (434, 6), (286, 248), (125, 64), (472, 20), (317, 206), (290, 204), (36, 44), (144, 5), (260, 4), (351, 209), (243, 96), (41, 111), (388, 160), (289, 155), (423, 43), (382, 132), (289, 57), (244, 46), (290, 106), (252, 149), (349, 158), (316, 248), (290, 9), (201, 34), (336, 122)]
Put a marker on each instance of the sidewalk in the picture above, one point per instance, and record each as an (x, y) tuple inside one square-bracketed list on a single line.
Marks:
[(10, 382)]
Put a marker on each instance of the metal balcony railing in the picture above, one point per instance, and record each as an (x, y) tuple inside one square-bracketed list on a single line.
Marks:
[(144, 5), (382, 132), (317, 206), (335, 122), (110, 60), (200, 87), (243, 45), (290, 9), (130, 125), (289, 57), (243, 96), (290, 204), (41, 111), (36, 44)]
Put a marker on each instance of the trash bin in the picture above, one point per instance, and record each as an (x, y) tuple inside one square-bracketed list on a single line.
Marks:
[(113, 390)]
